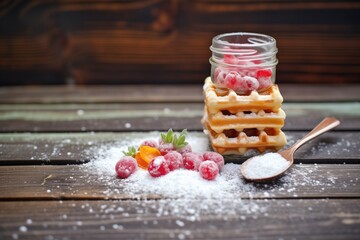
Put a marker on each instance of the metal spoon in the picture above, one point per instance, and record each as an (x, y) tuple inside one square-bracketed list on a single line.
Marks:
[(325, 125)]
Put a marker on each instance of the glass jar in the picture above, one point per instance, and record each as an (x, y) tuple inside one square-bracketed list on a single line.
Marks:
[(243, 61)]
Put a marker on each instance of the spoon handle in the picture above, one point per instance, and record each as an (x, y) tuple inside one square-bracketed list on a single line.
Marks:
[(325, 125)]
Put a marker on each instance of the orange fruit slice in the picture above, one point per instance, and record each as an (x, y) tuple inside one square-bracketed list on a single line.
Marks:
[(141, 162), (145, 155), (149, 153)]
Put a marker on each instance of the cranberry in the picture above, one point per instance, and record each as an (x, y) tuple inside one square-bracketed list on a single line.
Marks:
[(158, 167), (220, 79), (174, 160), (240, 84), (251, 83), (217, 72), (263, 73), (208, 170), (230, 59), (165, 148), (125, 167), (264, 82), (185, 149), (230, 79), (150, 143), (215, 157), (192, 160)]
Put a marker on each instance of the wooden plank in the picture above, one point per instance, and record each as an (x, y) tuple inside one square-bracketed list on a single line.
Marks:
[(104, 94), (311, 219), (148, 117), (39, 43), (163, 93), (87, 182), (70, 148)]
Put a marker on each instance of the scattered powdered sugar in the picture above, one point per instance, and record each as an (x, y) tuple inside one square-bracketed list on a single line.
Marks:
[(175, 193), (105, 157), (265, 166), (183, 183)]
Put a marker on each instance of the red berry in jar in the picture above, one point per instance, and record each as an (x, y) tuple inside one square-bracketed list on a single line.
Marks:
[(214, 157), (264, 83), (192, 161), (220, 79), (263, 73), (208, 170), (251, 83), (158, 167), (230, 59), (125, 167), (230, 79), (240, 85), (217, 72), (174, 160)]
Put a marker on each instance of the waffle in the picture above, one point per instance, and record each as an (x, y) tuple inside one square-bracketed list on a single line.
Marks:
[(219, 99), (237, 123)]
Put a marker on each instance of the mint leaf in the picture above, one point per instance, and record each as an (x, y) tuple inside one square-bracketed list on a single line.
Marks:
[(130, 152)]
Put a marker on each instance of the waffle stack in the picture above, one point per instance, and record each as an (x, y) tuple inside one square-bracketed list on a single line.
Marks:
[(238, 123)]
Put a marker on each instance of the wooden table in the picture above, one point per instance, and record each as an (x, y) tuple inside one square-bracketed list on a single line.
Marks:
[(45, 193)]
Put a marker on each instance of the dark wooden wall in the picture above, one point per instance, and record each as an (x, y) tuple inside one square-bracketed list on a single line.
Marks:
[(114, 42)]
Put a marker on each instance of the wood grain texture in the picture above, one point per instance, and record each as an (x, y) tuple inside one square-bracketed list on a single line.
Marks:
[(101, 42), (163, 93), (310, 219), (154, 116), (76, 148), (25, 183)]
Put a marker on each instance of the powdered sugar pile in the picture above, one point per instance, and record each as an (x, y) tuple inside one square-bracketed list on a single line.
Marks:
[(183, 183), (183, 187), (265, 166)]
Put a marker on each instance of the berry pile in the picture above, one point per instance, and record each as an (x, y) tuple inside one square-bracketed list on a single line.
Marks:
[(170, 153), (245, 78)]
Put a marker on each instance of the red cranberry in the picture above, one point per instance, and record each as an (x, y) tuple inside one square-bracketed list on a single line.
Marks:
[(150, 143), (208, 170), (192, 160), (230, 59), (165, 148), (215, 157), (125, 167), (263, 73), (185, 149), (174, 160), (158, 167)]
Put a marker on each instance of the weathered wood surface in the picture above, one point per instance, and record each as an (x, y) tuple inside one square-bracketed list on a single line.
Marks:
[(43, 197), (163, 93), (153, 116), (83, 182), (310, 219), (109, 41), (75, 148)]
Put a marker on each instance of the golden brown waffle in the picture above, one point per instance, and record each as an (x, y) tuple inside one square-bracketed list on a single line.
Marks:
[(220, 99), (231, 141), (238, 123), (219, 122)]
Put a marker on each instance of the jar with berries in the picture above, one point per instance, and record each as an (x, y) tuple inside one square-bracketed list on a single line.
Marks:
[(243, 62)]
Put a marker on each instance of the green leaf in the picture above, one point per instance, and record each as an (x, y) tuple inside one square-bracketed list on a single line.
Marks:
[(179, 141), (163, 136), (130, 152), (168, 137), (184, 132)]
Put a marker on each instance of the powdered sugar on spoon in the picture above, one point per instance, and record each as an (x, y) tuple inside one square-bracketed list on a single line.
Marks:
[(270, 166)]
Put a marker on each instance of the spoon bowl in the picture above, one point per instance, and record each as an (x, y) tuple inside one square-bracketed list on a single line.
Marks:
[(288, 154)]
